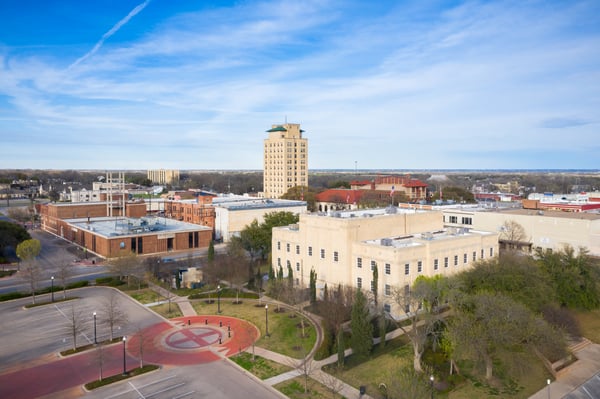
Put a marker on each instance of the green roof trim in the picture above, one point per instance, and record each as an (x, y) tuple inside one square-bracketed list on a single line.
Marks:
[(277, 129)]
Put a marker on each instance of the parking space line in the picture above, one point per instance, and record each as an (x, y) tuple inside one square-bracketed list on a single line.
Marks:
[(158, 381), (183, 395), (169, 388), (135, 389)]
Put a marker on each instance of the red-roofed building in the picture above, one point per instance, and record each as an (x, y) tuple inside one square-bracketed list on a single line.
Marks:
[(414, 189), (337, 199)]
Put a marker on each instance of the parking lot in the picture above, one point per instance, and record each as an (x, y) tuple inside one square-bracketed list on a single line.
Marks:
[(33, 337)]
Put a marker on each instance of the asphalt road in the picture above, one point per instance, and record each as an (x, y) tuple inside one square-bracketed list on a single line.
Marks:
[(55, 251)]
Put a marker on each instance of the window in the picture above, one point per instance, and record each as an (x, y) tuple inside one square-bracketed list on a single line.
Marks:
[(373, 288), (373, 264), (287, 247), (359, 262), (388, 268), (309, 251), (388, 290), (297, 249), (335, 256), (482, 254), (453, 219), (288, 264), (278, 261), (406, 268), (466, 220), (359, 282), (419, 267), (492, 251), (455, 260), (297, 266), (464, 258), (446, 261), (322, 253), (278, 245), (435, 264), (387, 308), (474, 256)]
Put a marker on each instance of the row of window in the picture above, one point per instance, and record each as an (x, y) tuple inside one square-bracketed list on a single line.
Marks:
[(454, 219)]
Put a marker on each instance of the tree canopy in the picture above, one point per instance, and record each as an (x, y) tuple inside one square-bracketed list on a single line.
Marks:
[(256, 238)]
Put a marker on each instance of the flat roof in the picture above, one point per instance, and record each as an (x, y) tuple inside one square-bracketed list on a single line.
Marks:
[(551, 213), (243, 203), (119, 227), (364, 213), (413, 240)]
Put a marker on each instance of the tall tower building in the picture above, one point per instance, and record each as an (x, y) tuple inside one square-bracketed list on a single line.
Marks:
[(285, 160)]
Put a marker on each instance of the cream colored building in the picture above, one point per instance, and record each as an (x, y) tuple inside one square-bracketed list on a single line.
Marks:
[(548, 230), (164, 176), (343, 247), (234, 213), (285, 160)]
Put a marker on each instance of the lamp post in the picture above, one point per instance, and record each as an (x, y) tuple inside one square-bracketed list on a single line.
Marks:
[(548, 384), (267, 319), (431, 380), (95, 337), (218, 299), (52, 287), (124, 361)]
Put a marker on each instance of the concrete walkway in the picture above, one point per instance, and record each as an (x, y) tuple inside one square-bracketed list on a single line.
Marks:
[(184, 304)]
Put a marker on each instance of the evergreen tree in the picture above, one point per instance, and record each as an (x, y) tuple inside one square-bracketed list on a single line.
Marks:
[(211, 251), (340, 348), (290, 277), (313, 286), (361, 340), (375, 284)]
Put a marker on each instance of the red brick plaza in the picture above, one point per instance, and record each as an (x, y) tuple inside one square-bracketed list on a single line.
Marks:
[(182, 341)]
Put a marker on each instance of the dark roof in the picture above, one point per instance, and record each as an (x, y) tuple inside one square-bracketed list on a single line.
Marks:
[(277, 129)]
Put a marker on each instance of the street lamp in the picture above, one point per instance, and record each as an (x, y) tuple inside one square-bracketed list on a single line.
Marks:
[(124, 361), (52, 287), (548, 384), (431, 380), (95, 339), (218, 299), (267, 319)]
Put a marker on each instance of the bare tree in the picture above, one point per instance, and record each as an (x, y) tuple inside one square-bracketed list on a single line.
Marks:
[(112, 313), (33, 274), (333, 384), (64, 273), (420, 305), (100, 358), (124, 265), (513, 235), (75, 324), (142, 337)]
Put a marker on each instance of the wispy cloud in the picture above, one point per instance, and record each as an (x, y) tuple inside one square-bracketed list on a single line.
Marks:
[(111, 32)]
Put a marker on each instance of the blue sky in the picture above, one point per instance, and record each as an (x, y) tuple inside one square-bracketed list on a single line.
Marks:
[(386, 84)]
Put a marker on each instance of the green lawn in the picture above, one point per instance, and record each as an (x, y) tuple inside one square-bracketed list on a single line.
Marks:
[(590, 324), (284, 327), (145, 295), (260, 367), (294, 389), (163, 310)]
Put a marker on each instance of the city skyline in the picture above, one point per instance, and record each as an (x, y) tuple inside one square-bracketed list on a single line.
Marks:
[(392, 85)]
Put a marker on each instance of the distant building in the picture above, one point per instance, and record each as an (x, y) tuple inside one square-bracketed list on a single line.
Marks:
[(338, 199), (164, 176), (285, 160)]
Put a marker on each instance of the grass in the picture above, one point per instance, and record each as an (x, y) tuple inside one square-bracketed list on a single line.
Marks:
[(294, 389), (163, 310), (260, 367), (120, 377), (146, 295), (590, 324), (283, 329)]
